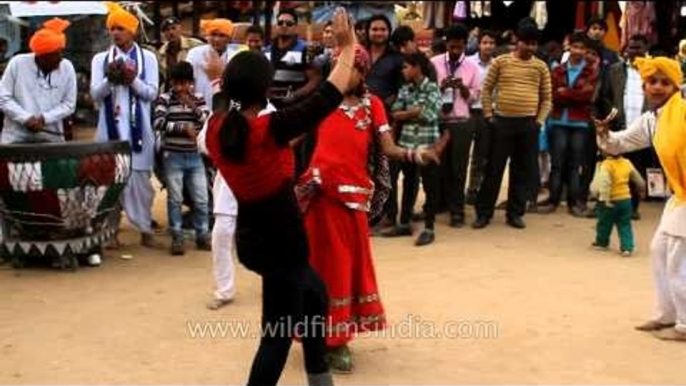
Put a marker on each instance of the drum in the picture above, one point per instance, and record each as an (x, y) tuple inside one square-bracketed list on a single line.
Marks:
[(60, 199)]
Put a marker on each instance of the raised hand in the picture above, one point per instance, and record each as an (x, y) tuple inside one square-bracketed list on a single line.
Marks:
[(214, 66), (343, 30)]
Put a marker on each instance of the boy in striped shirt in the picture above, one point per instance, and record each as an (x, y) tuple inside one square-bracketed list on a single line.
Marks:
[(179, 116)]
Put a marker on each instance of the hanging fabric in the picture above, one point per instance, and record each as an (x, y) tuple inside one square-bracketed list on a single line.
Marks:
[(594, 9), (539, 12), (639, 19), (487, 8), (477, 9), (580, 23), (460, 11), (434, 14), (612, 37)]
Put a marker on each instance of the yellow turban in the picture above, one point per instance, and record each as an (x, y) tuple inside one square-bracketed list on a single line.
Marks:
[(120, 17), (50, 38), (669, 67), (223, 26), (670, 136)]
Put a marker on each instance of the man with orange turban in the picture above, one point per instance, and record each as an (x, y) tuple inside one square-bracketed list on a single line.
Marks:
[(38, 90), (210, 59), (664, 128), (124, 83)]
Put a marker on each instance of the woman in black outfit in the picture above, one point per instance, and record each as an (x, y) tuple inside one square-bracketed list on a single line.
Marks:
[(253, 156)]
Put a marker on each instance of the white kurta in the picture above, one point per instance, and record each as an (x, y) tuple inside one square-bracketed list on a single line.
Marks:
[(146, 91), (198, 58), (138, 196), (25, 92), (668, 248)]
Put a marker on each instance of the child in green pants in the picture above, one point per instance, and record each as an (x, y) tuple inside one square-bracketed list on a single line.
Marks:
[(611, 186)]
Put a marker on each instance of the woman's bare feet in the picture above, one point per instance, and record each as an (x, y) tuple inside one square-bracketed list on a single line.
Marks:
[(654, 325), (671, 335)]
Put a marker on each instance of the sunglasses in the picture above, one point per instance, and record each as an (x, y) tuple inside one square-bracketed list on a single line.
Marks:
[(286, 23)]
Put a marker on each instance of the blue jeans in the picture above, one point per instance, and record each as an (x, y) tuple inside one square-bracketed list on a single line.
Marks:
[(567, 157), (186, 169)]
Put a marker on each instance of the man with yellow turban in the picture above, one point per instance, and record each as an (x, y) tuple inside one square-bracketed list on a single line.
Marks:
[(210, 59), (664, 128), (124, 83), (38, 90)]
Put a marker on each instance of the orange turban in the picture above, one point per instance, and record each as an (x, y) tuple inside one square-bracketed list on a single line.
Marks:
[(647, 67), (50, 38), (223, 26), (120, 17)]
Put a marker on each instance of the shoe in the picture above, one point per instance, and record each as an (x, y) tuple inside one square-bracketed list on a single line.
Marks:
[(577, 211), (635, 216), (457, 221), (398, 231), (94, 260), (148, 241), (425, 238), (177, 247), (323, 379), (204, 244), (626, 253), (418, 217), (340, 360), (216, 304), (532, 207), (547, 208), (516, 222), (599, 247), (481, 223)]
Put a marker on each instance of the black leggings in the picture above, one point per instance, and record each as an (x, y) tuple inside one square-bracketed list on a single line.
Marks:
[(271, 241), (291, 301)]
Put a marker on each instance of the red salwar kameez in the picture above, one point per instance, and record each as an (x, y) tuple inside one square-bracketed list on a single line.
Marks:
[(336, 219)]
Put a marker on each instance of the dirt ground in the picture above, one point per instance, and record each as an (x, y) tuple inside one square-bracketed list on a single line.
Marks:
[(533, 306)]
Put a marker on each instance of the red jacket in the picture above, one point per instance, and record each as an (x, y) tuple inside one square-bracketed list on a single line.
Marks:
[(577, 98)]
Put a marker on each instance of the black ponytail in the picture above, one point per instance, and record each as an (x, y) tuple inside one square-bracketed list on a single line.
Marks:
[(245, 83), (233, 136)]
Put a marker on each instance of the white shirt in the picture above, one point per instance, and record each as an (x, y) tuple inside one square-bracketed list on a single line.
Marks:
[(639, 135), (25, 92), (144, 89), (633, 95), (198, 58), (483, 72)]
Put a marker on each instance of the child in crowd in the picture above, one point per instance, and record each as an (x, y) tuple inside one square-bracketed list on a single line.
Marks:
[(179, 116), (611, 185)]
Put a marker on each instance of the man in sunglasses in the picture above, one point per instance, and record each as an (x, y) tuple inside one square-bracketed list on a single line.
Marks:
[(294, 76), (288, 55)]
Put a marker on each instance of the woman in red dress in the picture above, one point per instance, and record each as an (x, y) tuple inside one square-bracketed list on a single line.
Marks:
[(335, 194)]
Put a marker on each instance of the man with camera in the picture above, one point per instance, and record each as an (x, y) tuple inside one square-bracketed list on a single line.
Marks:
[(460, 85)]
